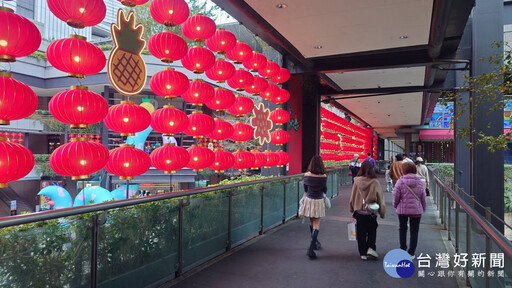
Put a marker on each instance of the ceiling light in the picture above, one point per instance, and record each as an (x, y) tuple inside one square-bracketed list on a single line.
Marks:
[(281, 5), (403, 37), (318, 47)]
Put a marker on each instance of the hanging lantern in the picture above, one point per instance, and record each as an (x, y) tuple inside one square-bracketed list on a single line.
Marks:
[(198, 59), (282, 76), (79, 14), (222, 100), (221, 71), (279, 137), (198, 93), (169, 12), (284, 158), (256, 62), (241, 80), (16, 161), (169, 158), (198, 28), (270, 70), (132, 3), (223, 161), (200, 158), (78, 107), (258, 85), (279, 116), (17, 100), (239, 53), (79, 158), (243, 160), (260, 159), (169, 83), (222, 130), (199, 124), (127, 118), (169, 120), (167, 46), (76, 56), (271, 92), (221, 42), (18, 37), (127, 162), (241, 107), (282, 97), (272, 159), (242, 132)]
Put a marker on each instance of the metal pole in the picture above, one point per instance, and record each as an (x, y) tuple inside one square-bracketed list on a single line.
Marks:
[(449, 217), (456, 227), (127, 188)]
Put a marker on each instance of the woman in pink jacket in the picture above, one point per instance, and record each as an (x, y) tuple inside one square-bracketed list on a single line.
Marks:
[(409, 200)]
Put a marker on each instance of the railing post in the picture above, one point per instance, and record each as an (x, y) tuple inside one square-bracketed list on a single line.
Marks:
[(441, 207), (284, 202), (94, 251), (298, 196), (449, 206), (262, 207), (456, 227)]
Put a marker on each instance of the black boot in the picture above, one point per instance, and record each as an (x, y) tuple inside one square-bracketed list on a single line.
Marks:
[(318, 245), (312, 244)]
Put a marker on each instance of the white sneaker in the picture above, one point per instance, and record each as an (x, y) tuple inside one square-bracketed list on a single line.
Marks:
[(364, 257), (413, 257), (372, 253)]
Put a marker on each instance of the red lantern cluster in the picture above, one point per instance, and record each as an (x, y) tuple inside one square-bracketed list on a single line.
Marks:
[(221, 42), (167, 46), (279, 116), (18, 37), (241, 107), (127, 118), (169, 120), (272, 159), (221, 71), (222, 100), (127, 162), (11, 137), (279, 137), (200, 158), (199, 124), (17, 99), (198, 59), (169, 12), (223, 161), (16, 161), (243, 160), (242, 132), (198, 28), (198, 93), (169, 83), (169, 158), (79, 14)]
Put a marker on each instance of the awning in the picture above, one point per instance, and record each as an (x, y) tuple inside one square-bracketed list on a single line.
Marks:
[(441, 134)]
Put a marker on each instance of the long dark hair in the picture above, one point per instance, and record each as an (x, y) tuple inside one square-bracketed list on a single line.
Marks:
[(367, 170), (316, 166)]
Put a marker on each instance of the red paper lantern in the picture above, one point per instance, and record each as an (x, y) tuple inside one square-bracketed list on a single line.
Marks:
[(78, 107), (282, 97), (242, 132), (223, 161), (258, 85), (270, 70), (198, 28), (200, 158), (16, 161), (279, 137), (17, 100), (20, 135), (240, 52), (18, 36), (243, 160), (241, 107), (221, 71), (127, 162), (282, 76), (272, 159), (132, 3), (167, 46), (169, 158), (241, 80), (169, 120), (221, 42), (169, 83), (199, 124), (198, 93), (271, 92), (256, 62), (127, 118), (284, 158), (79, 158), (222, 100), (198, 59), (222, 130), (279, 116), (79, 14), (169, 12), (260, 159), (76, 56)]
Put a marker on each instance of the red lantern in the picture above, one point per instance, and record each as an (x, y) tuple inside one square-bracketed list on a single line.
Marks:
[(279, 137), (18, 37), (17, 100), (198, 59), (169, 120), (20, 135), (79, 14), (284, 158), (169, 83), (200, 158), (16, 161), (78, 107), (240, 52), (198, 28), (127, 162), (221, 71), (76, 56), (169, 158), (258, 85), (132, 3), (282, 76), (241, 107), (127, 118), (222, 100), (256, 62), (260, 159), (279, 116), (199, 124), (282, 97), (241, 80), (243, 160), (169, 12), (222, 130), (79, 158), (198, 93), (270, 70), (271, 92), (272, 159), (167, 46), (223, 161), (242, 132), (221, 42)]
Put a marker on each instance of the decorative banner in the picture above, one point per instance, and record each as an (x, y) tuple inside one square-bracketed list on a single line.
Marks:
[(126, 68), (261, 124)]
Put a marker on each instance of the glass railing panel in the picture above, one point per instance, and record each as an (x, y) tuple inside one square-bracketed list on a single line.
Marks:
[(462, 241), (452, 215), (477, 247), (246, 213), (292, 197), (273, 204), (330, 183), (500, 267)]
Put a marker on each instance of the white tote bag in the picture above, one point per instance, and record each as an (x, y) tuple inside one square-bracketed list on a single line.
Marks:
[(351, 227)]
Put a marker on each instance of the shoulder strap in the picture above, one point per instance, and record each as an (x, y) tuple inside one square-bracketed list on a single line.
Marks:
[(413, 194), (364, 201)]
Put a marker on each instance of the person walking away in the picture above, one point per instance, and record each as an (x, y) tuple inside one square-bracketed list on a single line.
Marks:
[(354, 166), (409, 201), (422, 173), (395, 172), (313, 207), (366, 187), (370, 159)]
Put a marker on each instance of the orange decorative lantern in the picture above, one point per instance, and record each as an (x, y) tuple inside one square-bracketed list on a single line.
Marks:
[(127, 162), (18, 37), (239, 53), (281, 98), (284, 158), (199, 124), (17, 100), (222, 100), (256, 62), (242, 132), (241, 80), (241, 107), (198, 93), (169, 83), (169, 120), (243, 160), (221, 42), (279, 137), (272, 159), (260, 159), (16, 161), (222, 130), (258, 85), (279, 116), (127, 118), (198, 59), (271, 92), (198, 28), (282, 76), (79, 14), (200, 158), (221, 71), (223, 161), (169, 12), (169, 158), (167, 46), (270, 70)]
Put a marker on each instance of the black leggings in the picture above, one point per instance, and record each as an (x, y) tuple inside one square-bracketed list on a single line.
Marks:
[(366, 231), (415, 227)]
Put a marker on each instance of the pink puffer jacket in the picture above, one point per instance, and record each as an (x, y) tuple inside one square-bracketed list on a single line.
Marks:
[(404, 202)]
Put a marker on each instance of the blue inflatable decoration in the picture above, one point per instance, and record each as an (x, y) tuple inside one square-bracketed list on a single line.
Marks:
[(92, 195), (120, 192), (140, 138), (58, 195)]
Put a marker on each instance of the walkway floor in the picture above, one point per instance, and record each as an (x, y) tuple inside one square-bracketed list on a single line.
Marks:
[(278, 258)]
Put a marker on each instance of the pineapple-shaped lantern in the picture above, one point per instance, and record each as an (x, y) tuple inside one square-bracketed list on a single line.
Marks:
[(126, 68)]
